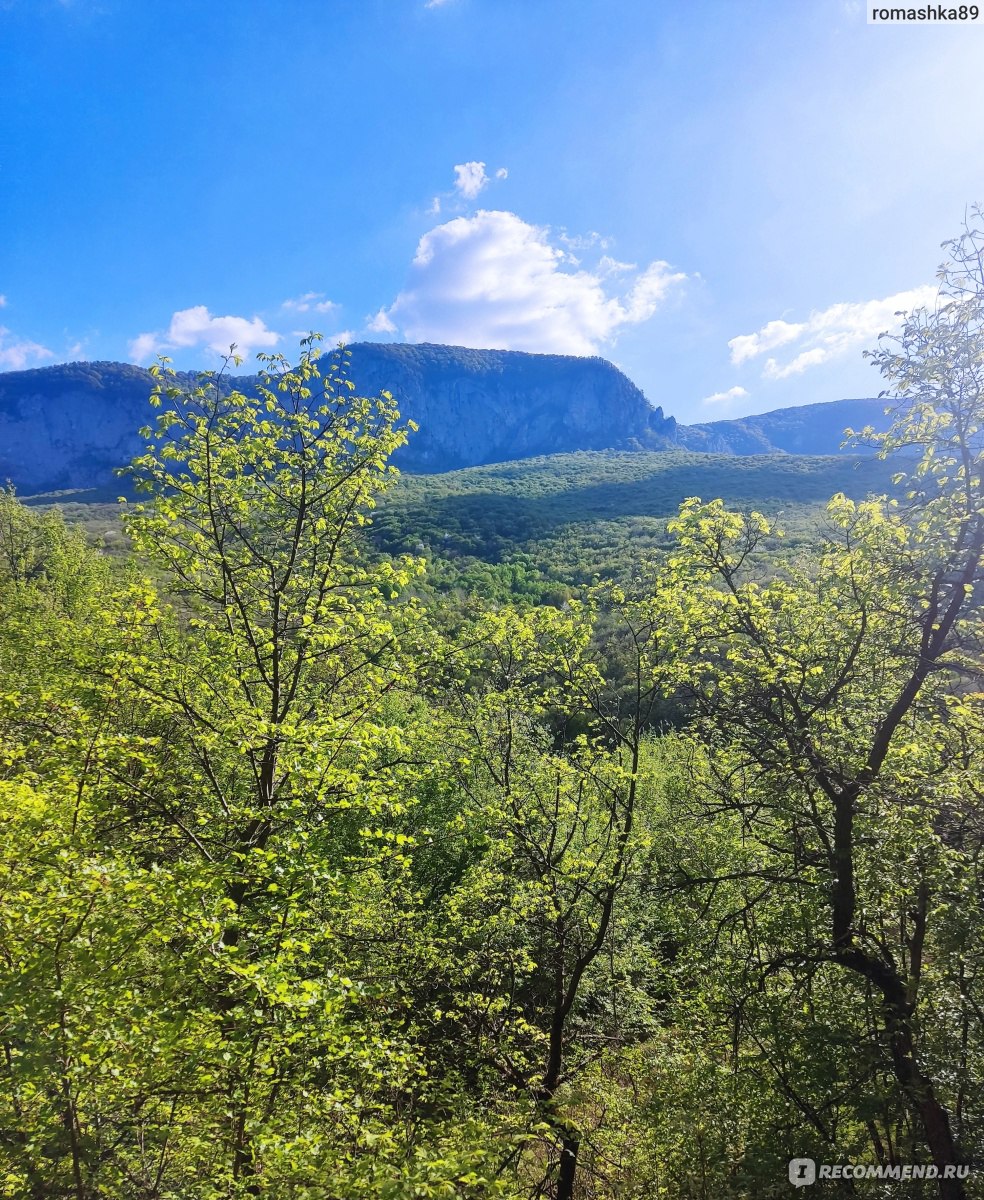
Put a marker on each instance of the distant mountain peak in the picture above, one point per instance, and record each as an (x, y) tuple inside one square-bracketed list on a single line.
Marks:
[(805, 429)]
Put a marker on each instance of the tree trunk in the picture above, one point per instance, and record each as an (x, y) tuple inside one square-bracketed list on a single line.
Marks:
[(921, 1095), (896, 1002), (568, 1167)]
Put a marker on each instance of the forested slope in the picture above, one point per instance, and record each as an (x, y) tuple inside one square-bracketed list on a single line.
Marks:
[(317, 884)]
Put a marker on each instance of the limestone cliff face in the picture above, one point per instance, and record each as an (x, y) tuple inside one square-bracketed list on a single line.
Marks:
[(483, 406), (69, 426)]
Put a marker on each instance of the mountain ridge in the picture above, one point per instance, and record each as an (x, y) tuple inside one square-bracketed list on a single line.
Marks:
[(70, 425), (795, 430)]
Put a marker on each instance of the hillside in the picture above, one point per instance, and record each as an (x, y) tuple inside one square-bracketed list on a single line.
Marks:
[(484, 406), (806, 429), (542, 526), (69, 426), (539, 528)]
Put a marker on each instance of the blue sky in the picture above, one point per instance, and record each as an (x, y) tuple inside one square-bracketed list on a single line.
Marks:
[(730, 200)]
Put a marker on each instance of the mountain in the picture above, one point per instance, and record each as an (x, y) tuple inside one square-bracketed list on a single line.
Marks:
[(808, 429), (69, 426), (486, 406)]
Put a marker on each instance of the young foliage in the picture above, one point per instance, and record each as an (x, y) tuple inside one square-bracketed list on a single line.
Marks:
[(841, 703)]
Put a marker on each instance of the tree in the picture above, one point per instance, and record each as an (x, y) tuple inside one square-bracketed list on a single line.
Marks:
[(37, 545), (567, 819), (839, 700), (257, 503), (202, 845)]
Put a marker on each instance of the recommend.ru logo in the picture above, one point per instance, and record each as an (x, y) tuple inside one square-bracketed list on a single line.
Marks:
[(804, 1171)]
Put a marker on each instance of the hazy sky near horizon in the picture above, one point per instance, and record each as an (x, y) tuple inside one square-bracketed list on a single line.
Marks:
[(729, 200)]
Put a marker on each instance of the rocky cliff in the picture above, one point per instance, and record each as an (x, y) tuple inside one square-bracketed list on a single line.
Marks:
[(484, 406), (68, 426)]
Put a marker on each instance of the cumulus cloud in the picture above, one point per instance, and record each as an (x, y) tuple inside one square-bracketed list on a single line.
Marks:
[(470, 178), (17, 353), (826, 335), (310, 302), (734, 393), (493, 281), (381, 323), (769, 337), (196, 328)]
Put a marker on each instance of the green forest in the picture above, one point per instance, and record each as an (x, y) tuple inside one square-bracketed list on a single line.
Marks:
[(539, 530), (379, 838)]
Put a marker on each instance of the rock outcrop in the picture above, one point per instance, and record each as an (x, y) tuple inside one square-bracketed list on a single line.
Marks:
[(484, 406), (69, 426)]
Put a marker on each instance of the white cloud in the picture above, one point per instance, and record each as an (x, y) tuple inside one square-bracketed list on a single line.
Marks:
[(196, 328), (775, 333), (381, 323), (144, 347), (17, 353), (3, 300), (733, 393), (470, 179), (310, 302), (344, 337), (435, 3), (648, 290), (797, 365), (493, 281), (584, 241), (610, 266), (828, 334)]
